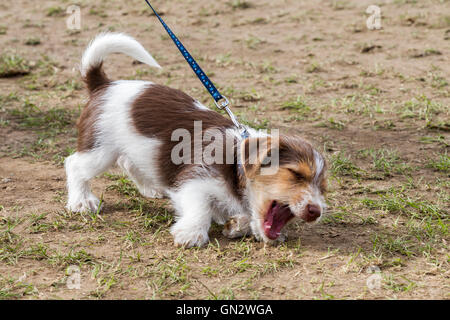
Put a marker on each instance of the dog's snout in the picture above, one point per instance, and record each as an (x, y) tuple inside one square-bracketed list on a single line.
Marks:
[(313, 211)]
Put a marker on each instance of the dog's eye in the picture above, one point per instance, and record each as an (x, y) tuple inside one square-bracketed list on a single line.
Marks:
[(297, 175)]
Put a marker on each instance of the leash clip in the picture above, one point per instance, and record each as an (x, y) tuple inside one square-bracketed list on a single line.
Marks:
[(223, 104)]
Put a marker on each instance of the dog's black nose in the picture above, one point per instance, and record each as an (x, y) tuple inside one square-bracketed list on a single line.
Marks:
[(313, 211)]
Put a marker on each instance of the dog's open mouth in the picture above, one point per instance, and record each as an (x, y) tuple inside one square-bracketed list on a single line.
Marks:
[(276, 218)]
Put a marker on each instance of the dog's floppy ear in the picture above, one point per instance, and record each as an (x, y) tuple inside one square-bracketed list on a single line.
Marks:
[(257, 153)]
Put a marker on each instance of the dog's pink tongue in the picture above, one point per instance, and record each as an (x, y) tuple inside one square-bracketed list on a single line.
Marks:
[(275, 220)]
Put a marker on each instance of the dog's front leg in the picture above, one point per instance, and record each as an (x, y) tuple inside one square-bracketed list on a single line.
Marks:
[(238, 226), (193, 208)]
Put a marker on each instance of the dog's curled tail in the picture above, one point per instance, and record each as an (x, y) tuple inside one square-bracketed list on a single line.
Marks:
[(103, 45)]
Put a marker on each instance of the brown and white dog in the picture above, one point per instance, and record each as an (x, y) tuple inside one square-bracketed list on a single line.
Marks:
[(132, 123)]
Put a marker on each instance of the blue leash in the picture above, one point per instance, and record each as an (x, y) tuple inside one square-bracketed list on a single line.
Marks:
[(202, 76)]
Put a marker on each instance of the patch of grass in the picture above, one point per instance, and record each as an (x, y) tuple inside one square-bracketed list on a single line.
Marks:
[(331, 123), (122, 185), (54, 11), (298, 105), (31, 116), (442, 163), (291, 79), (396, 285), (98, 12), (393, 245), (11, 244), (341, 165), (70, 85), (427, 52), (438, 81), (253, 42), (73, 257), (421, 107), (223, 60), (152, 214), (259, 20), (6, 294), (210, 271), (33, 41), (440, 139), (132, 238), (32, 24), (3, 123), (12, 65), (240, 4), (39, 224), (47, 66), (340, 4), (340, 214), (106, 284), (170, 276), (385, 160), (396, 201), (267, 67), (225, 294), (250, 96), (324, 295), (314, 67), (7, 225), (49, 130), (11, 288), (158, 218), (444, 21), (38, 251), (3, 29), (256, 123)]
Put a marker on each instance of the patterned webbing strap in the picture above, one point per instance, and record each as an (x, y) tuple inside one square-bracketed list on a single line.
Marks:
[(203, 78), (198, 71)]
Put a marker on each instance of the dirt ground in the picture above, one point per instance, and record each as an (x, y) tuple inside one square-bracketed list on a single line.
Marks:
[(376, 102)]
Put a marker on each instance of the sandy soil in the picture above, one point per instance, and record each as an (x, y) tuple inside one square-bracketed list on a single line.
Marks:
[(375, 101)]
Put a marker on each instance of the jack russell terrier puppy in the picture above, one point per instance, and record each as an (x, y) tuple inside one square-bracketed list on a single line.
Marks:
[(132, 123)]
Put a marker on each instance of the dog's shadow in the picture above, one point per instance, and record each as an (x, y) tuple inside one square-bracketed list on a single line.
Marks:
[(347, 237)]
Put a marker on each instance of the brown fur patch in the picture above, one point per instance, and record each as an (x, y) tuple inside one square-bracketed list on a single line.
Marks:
[(158, 111), (302, 171), (86, 123), (96, 82), (96, 78)]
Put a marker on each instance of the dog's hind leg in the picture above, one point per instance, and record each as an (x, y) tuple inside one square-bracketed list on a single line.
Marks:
[(81, 167), (143, 184)]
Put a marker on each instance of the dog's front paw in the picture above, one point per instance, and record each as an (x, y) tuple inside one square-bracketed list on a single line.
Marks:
[(152, 193), (189, 237), (87, 204), (236, 227)]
